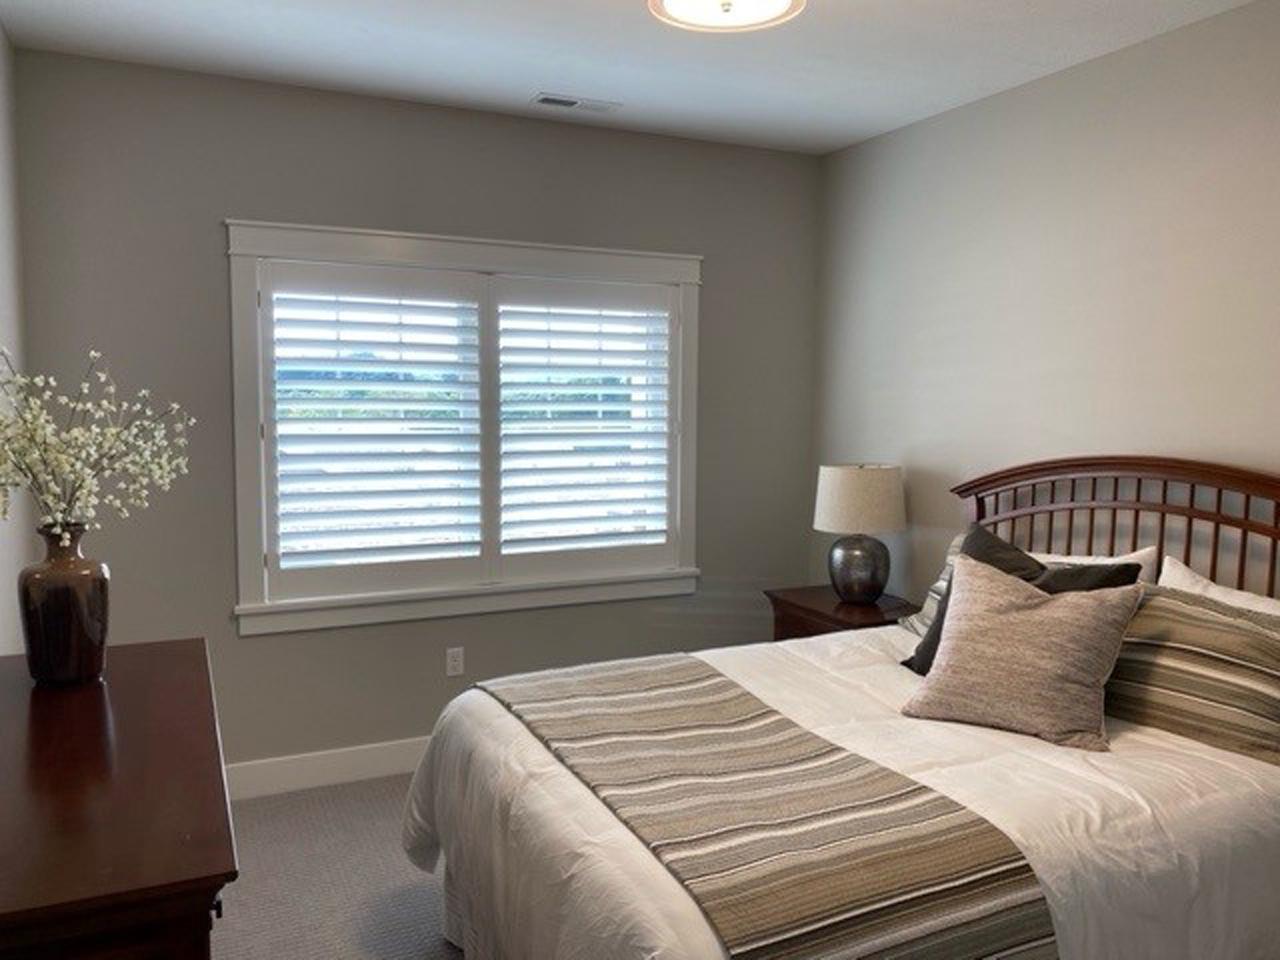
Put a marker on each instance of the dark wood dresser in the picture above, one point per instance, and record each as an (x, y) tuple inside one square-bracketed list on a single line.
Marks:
[(808, 611), (115, 832)]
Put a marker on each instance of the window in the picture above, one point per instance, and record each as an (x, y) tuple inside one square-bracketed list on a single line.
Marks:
[(428, 426)]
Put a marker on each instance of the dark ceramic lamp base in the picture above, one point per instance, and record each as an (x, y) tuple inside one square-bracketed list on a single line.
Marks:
[(859, 567)]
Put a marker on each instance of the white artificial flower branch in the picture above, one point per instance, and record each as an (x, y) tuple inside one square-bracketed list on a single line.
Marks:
[(104, 451)]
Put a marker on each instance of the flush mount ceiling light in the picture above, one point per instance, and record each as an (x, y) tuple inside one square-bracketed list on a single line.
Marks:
[(725, 16)]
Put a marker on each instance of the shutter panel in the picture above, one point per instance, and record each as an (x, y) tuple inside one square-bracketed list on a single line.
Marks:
[(377, 429), (583, 414)]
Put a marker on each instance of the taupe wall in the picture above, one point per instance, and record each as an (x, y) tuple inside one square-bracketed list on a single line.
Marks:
[(126, 175), (15, 534), (1086, 264)]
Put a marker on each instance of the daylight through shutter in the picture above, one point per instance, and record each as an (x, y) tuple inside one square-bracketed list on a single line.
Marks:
[(583, 413), (377, 404)]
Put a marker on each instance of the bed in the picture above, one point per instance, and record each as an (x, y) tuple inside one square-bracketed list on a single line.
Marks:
[(1163, 847)]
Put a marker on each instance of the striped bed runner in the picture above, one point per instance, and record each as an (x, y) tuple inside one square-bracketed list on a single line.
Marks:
[(792, 846)]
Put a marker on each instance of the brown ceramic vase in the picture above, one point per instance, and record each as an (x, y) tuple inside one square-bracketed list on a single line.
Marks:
[(63, 600)]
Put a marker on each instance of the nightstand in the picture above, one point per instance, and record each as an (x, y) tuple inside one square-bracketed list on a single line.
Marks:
[(806, 611)]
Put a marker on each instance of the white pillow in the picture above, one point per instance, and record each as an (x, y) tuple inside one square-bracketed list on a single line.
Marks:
[(1146, 558), (1179, 576)]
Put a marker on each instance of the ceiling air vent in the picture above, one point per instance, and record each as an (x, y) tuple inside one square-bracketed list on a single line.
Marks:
[(562, 101)]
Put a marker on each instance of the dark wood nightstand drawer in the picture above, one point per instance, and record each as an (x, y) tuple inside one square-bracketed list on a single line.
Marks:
[(808, 611)]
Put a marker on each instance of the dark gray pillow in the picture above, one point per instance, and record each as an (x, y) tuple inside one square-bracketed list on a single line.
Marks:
[(984, 546)]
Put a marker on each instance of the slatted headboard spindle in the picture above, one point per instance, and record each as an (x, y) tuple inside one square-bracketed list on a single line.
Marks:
[(1222, 521)]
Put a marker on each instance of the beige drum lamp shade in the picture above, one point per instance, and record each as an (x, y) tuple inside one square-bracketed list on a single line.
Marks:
[(860, 498)]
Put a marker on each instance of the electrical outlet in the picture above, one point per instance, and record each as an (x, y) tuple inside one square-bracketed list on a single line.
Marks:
[(454, 665)]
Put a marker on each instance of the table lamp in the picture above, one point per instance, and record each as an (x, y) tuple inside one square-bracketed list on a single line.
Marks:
[(857, 500)]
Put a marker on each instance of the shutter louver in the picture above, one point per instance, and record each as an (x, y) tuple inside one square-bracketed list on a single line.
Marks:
[(583, 412), (377, 429)]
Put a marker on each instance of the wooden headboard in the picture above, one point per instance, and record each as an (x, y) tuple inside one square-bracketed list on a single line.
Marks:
[(1222, 521)]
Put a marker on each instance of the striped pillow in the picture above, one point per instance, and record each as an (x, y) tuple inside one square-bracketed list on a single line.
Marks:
[(918, 623), (1201, 669)]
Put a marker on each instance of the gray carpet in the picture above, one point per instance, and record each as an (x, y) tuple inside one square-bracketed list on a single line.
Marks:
[(322, 875)]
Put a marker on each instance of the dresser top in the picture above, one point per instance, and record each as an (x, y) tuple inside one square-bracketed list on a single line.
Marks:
[(111, 792)]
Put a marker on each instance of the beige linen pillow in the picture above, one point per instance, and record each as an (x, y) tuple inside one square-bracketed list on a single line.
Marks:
[(1019, 659)]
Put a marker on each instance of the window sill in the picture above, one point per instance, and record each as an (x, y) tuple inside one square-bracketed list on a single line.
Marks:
[(288, 616)]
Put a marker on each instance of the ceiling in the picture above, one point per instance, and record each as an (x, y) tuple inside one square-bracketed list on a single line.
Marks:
[(843, 71)]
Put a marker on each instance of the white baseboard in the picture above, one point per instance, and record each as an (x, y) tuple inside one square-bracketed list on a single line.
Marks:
[(299, 771)]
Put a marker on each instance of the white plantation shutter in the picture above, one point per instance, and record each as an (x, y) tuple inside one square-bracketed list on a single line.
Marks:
[(584, 414), (377, 422), (481, 434)]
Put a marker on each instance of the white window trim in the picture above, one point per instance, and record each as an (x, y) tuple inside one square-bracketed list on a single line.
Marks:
[(250, 243)]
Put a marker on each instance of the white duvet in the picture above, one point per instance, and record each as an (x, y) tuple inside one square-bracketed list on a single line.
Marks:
[(1163, 848)]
